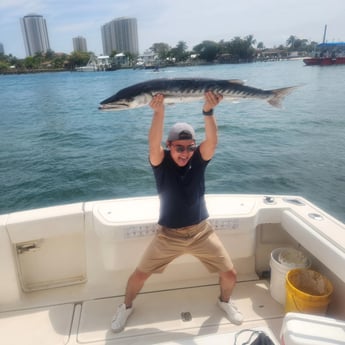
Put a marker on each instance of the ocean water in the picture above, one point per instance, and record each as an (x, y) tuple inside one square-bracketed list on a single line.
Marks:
[(56, 147)]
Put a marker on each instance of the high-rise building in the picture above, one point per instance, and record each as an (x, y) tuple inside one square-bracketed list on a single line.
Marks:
[(2, 50), (35, 34), (79, 44), (120, 35)]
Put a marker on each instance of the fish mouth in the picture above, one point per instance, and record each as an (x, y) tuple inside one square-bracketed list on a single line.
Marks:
[(113, 107)]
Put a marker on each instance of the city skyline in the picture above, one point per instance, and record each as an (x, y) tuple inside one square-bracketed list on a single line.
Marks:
[(270, 21), (120, 35), (35, 34), (79, 44)]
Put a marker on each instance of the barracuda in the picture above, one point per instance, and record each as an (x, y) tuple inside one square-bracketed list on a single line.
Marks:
[(189, 90)]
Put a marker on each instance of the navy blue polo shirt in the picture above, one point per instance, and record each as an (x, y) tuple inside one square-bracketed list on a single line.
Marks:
[(181, 191)]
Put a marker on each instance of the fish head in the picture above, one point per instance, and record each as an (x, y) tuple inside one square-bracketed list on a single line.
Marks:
[(118, 102)]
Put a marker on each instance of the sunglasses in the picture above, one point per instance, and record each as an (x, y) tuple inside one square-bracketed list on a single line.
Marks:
[(181, 148)]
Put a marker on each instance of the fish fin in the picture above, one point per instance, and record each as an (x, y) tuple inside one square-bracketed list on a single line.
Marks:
[(279, 94), (236, 81)]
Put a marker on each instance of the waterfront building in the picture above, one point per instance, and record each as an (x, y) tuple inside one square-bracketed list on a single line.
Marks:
[(120, 35), (79, 44), (2, 50), (35, 34)]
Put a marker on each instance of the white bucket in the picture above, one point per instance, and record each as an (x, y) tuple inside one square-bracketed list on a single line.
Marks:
[(282, 261)]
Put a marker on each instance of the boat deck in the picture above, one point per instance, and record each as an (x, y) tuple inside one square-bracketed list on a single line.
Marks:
[(157, 318), (64, 271)]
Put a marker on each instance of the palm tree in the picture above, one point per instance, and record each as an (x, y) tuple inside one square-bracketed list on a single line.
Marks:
[(250, 40), (291, 41)]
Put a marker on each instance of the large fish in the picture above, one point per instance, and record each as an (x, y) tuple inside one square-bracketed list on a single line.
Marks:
[(188, 90)]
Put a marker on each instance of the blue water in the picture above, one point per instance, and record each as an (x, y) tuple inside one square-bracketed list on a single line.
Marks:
[(57, 147)]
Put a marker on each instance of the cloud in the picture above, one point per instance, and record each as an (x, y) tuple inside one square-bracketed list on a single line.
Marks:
[(191, 21), (19, 7)]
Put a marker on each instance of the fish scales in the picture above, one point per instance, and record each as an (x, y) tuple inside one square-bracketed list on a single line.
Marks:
[(187, 90)]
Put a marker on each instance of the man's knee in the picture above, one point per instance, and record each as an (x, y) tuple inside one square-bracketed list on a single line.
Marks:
[(140, 276), (230, 275)]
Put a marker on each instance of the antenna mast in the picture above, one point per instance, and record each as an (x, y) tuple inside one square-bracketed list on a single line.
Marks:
[(324, 34)]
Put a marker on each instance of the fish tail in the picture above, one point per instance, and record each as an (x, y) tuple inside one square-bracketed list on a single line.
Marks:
[(279, 94)]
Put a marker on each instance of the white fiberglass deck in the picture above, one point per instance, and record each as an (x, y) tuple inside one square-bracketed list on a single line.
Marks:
[(156, 318), (64, 270)]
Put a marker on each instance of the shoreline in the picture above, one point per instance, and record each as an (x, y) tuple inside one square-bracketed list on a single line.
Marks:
[(11, 72), (41, 70)]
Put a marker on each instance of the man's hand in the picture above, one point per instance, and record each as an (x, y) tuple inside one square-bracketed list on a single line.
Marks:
[(211, 100), (157, 103)]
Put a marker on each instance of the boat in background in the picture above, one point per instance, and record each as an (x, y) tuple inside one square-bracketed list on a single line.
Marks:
[(327, 54), (64, 270), (95, 64)]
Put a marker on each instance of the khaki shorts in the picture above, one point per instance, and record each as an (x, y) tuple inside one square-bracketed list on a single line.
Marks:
[(199, 240)]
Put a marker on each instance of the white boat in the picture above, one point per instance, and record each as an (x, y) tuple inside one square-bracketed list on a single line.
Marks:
[(91, 66), (87, 68), (95, 64), (64, 269)]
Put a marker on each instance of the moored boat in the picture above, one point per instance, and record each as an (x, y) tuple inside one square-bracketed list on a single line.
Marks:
[(327, 54), (64, 270)]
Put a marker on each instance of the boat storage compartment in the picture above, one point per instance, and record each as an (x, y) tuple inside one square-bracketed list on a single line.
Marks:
[(125, 227), (307, 329), (49, 246)]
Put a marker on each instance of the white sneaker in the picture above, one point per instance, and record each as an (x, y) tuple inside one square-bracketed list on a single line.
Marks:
[(233, 314), (119, 320)]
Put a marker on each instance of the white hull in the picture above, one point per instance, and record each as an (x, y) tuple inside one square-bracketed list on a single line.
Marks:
[(88, 68), (64, 270)]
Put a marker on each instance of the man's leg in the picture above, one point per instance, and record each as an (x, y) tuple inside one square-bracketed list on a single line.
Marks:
[(209, 249), (227, 281), (135, 283)]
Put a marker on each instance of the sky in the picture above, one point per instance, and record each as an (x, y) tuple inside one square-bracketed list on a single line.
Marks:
[(171, 21)]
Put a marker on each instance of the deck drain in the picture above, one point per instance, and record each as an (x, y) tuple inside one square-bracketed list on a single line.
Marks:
[(186, 316)]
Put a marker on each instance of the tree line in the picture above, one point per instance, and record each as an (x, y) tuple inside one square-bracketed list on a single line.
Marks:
[(237, 50), (234, 51)]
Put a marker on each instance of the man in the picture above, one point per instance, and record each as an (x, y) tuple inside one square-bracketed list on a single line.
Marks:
[(183, 228)]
